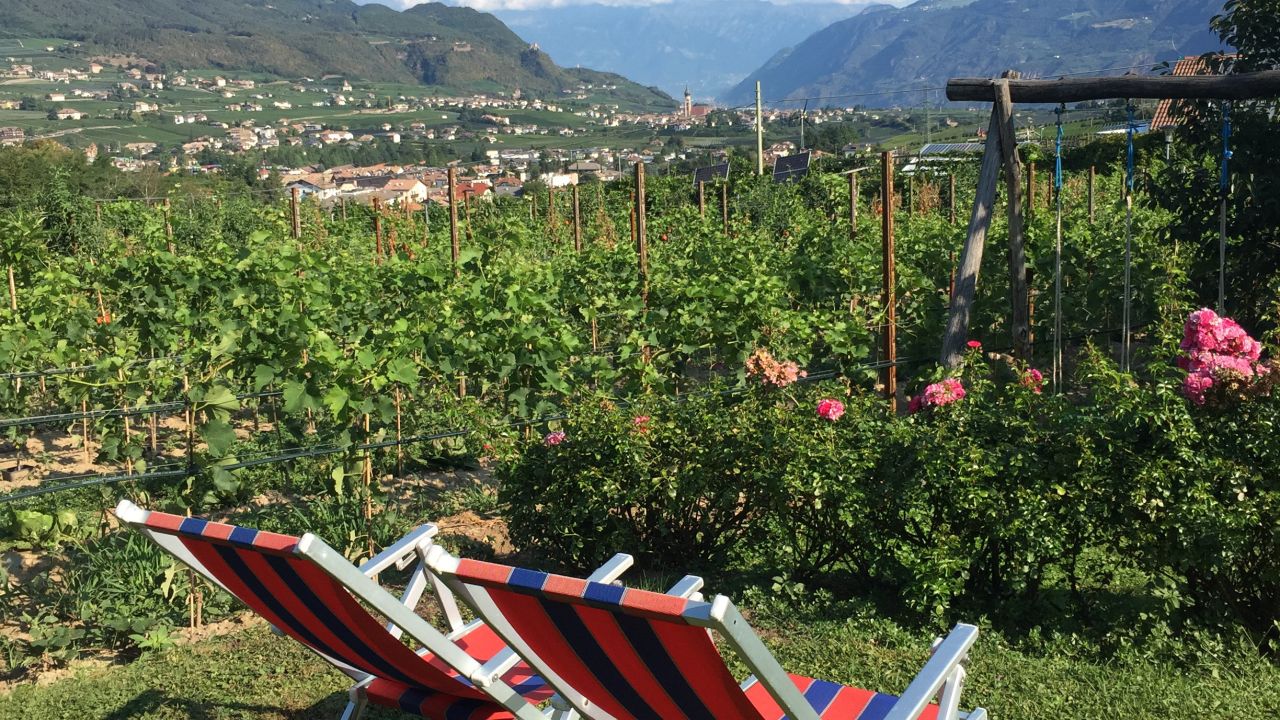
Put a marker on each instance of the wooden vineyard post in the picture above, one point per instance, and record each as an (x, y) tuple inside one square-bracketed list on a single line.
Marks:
[(951, 286), (368, 485), (97, 211), (951, 199), (853, 205), (466, 207), (642, 243), (399, 437), (393, 241), (890, 279), (84, 430), (426, 222), (342, 206), (724, 206), (1031, 308), (128, 430), (911, 195), (1093, 176), (633, 218), (1018, 325), (454, 248), (168, 228), (577, 220), (377, 231), (295, 219), (1031, 191), (13, 291), (551, 211), (966, 284), (702, 198)]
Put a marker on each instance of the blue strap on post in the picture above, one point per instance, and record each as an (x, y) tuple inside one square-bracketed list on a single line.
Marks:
[(1225, 183), (1133, 128), (1057, 151)]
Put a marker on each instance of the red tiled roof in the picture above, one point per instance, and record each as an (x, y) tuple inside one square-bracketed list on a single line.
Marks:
[(1172, 113)]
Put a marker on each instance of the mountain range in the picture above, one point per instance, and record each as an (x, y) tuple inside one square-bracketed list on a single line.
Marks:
[(707, 46), (431, 44), (901, 51)]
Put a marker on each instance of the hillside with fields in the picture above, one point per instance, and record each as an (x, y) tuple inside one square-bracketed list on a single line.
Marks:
[(430, 44)]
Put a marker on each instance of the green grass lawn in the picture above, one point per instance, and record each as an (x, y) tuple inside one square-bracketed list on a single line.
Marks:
[(254, 674)]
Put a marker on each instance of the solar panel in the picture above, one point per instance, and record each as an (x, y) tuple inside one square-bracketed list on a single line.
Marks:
[(711, 174), (951, 148), (791, 167)]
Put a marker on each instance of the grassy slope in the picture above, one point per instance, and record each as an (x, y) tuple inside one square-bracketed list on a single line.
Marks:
[(253, 674)]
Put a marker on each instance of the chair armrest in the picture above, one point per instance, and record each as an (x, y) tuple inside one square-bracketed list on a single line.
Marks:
[(399, 554), (946, 660), (687, 587), (613, 569)]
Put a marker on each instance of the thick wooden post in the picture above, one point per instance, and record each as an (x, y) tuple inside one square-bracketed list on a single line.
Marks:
[(853, 206), (1018, 325), (294, 217), (454, 247), (966, 285), (642, 243), (702, 198), (342, 205), (889, 283), (577, 221)]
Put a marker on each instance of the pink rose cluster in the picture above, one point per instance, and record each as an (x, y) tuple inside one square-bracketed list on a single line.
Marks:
[(1217, 351), (830, 409), (1034, 380), (553, 439), (770, 371), (938, 394)]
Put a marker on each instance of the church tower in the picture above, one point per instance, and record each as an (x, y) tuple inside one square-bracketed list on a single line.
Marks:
[(688, 102)]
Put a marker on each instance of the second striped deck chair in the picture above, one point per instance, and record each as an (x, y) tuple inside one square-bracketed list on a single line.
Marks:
[(311, 593), (617, 653)]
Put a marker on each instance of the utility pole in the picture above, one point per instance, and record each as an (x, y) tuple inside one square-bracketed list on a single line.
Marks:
[(928, 119), (803, 114), (759, 132)]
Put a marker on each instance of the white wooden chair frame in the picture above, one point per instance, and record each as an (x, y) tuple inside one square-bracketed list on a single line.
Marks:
[(943, 676)]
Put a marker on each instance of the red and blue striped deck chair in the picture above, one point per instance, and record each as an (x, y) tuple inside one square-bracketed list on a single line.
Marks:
[(308, 591), (617, 653)]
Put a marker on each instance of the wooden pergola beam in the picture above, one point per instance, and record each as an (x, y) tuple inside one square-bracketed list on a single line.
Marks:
[(1242, 86)]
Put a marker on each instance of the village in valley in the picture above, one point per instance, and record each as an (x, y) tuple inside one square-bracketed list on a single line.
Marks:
[(319, 135)]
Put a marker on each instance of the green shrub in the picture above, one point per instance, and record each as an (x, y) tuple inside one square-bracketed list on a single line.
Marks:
[(975, 502)]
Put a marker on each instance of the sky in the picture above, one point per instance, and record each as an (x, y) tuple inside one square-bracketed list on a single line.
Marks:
[(489, 5)]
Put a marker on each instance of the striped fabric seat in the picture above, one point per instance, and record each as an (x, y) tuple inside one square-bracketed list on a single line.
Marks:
[(639, 654), (830, 700), (297, 596)]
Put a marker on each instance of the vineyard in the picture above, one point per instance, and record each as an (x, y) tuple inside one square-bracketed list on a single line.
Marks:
[(302, 367)]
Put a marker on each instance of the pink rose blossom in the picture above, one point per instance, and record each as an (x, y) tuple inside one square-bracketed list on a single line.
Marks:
[(554, 438), (1216, 349), (830, 409), (1033, 379), (974, 345), (938, 394), (641, 424)]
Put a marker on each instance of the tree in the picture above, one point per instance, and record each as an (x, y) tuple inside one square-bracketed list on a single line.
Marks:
[(1190, 181)]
